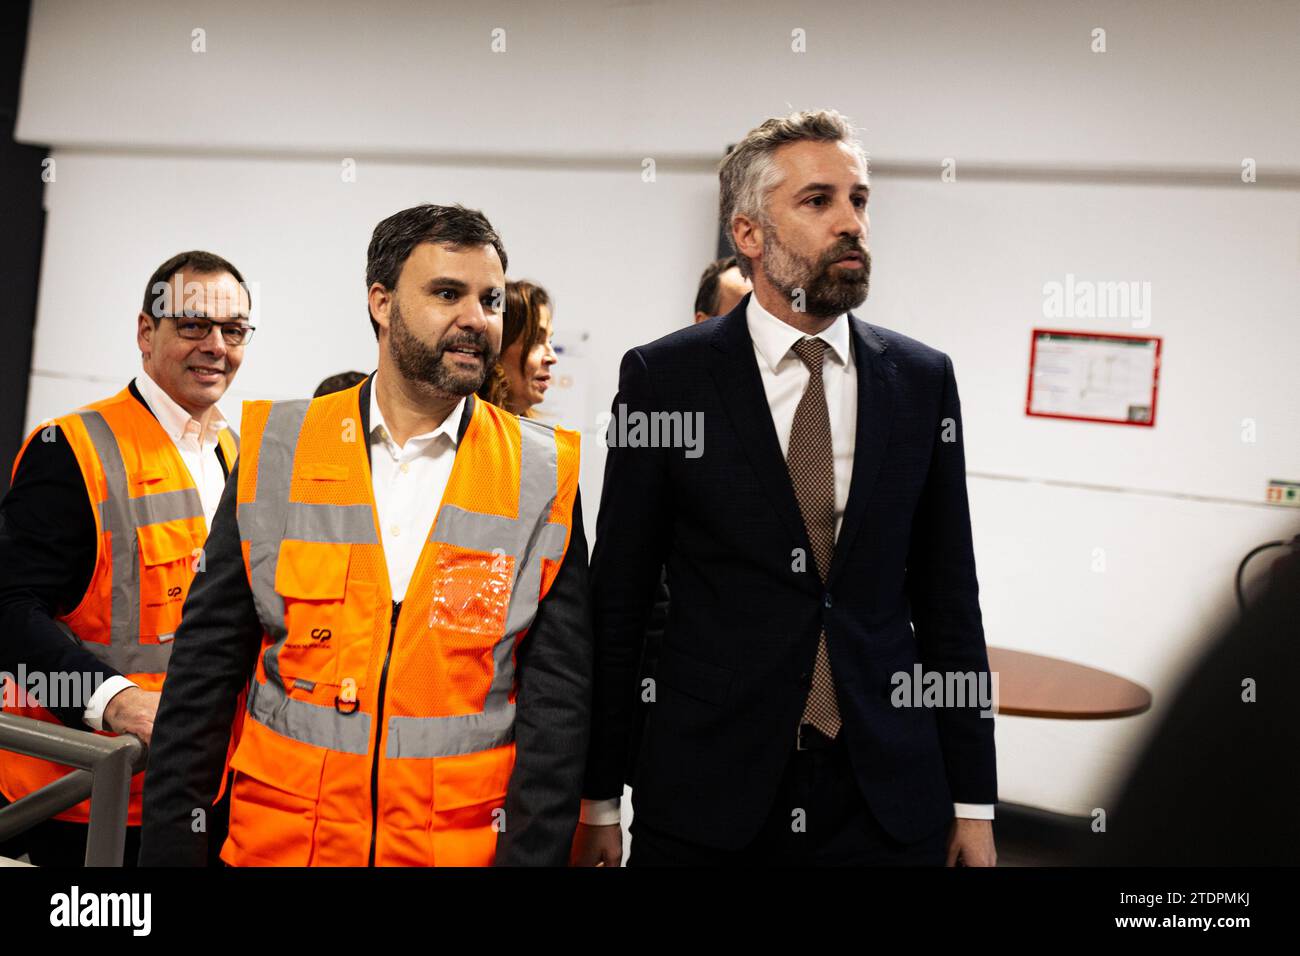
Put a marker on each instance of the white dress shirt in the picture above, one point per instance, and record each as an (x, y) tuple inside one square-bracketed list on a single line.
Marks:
[(785, 377), (409, 481), (197, 446)]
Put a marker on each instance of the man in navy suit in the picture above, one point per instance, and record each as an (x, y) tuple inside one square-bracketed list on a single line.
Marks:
[(801, 475)]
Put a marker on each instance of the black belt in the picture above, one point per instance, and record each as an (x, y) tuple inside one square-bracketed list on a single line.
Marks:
[(810, 738)]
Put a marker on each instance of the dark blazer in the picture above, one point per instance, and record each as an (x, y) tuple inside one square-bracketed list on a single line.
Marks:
[(216, 652), (654, 638), (736, 661), (47, 557)]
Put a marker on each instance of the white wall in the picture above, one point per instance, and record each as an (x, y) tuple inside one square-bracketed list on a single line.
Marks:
[(1183, 82), (239, 149)]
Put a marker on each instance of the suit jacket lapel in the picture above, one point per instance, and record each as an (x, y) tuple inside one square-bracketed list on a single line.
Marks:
[(876, 387), (735, 371)]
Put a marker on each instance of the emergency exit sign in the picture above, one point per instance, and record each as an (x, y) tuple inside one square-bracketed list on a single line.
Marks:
[(1284, 493)]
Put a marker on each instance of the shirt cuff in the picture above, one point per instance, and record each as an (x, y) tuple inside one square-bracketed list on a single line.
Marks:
[(600, 813), (94, 714), (973, 811)]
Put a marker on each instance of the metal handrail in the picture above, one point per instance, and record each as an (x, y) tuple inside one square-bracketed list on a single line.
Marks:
[(104, 765)]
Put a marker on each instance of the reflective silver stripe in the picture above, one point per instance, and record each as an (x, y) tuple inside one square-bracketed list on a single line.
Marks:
[(121, 516), (494, 726), (124, 611), (424, 737), (165, 506), (142, 658), (353, 524), (157, 508), (263, 520), (136, 658), (528, 539), (539, 477), (320, 725), (266, 521)]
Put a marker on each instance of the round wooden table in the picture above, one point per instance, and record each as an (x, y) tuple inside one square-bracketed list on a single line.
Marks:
[(1031, 685)]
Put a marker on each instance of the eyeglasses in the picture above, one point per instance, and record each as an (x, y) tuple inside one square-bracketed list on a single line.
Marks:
[(198, 327)]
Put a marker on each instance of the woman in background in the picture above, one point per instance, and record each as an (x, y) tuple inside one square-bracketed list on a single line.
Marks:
[(523, 373)]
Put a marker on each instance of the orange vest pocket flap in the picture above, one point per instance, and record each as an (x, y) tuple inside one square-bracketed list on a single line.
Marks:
[(166, 542), (312, 571), (277, 762), (324, 471), (473, 778), (147, 476)]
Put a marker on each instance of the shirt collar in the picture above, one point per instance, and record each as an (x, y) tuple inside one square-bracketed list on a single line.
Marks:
[(379, 430), (176, 421), (774, 338)]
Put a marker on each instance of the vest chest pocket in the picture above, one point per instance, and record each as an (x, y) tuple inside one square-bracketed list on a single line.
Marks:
[(469, 794), (471, 591), (469, 602), (330, 620), (168, 560)]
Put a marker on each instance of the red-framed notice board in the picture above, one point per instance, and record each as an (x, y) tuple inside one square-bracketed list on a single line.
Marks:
[(1093, 377)]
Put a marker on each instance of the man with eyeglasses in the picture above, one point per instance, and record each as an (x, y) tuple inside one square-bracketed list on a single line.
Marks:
[(103, 530)]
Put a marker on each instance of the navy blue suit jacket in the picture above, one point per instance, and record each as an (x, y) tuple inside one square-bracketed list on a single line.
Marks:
[(738, 647)]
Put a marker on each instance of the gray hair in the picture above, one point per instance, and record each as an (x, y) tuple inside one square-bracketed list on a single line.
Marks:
[(748, 173)]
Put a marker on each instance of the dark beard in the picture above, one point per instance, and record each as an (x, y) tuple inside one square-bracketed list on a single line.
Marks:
[(423, 363), (828, 290)]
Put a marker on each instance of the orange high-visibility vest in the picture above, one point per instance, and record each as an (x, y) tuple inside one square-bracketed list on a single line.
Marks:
[(150, 530), (380, 733)]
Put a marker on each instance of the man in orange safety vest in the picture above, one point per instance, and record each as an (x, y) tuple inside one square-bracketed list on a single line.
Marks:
[(400, 571), (103, 529)]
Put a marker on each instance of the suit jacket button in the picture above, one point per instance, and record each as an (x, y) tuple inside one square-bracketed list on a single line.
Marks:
[(826, 602)]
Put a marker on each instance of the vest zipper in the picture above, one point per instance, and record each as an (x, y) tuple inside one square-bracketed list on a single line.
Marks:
[(379, 733)]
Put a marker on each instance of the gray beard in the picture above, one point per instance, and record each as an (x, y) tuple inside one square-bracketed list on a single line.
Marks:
[(826, 295)]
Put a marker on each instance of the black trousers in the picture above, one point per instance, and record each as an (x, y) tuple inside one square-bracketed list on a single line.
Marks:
[(60, 843), (819, 818)]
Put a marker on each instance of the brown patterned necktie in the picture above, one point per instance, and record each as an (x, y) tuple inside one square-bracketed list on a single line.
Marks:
[(812, 471)]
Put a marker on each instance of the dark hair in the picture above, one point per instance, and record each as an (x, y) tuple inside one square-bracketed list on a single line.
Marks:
[(521, 323), (196, 260), (338, 383), (706, 298), (395, 237)]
